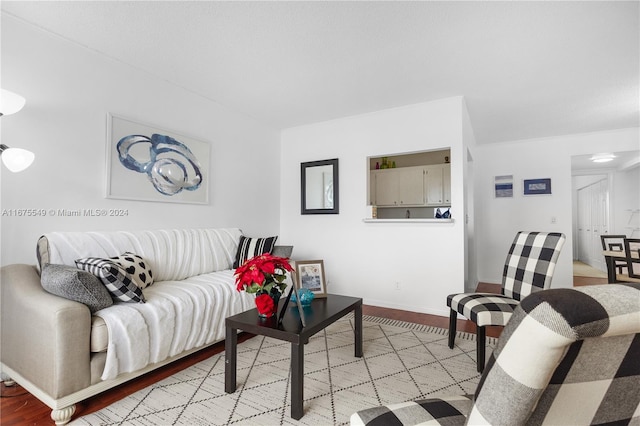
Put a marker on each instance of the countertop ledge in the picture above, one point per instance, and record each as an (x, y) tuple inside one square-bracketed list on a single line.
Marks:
[(442, 221)]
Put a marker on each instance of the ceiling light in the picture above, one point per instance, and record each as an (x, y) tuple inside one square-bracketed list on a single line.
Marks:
[(10, 103), (602, 158), (16, 159)]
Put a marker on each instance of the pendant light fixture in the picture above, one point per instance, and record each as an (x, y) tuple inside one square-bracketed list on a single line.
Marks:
[(15, 159)]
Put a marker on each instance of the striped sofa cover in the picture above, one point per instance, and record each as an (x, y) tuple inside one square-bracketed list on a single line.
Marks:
[(566, 357), (62, 354)]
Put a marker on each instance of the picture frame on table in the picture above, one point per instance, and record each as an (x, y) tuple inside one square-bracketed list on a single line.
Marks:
[(310, 275)]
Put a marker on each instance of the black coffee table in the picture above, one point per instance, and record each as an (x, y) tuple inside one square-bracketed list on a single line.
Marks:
[(322, 312)]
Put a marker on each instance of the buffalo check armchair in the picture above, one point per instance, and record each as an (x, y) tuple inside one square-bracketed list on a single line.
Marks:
[(566, 357), (529, 268)]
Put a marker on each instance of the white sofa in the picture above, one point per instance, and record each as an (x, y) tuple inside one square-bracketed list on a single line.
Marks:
[(62, 354)]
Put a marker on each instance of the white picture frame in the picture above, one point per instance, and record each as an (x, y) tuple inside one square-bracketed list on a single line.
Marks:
[(503, 186)]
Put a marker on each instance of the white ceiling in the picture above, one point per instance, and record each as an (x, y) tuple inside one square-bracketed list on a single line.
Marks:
[(526, 69), (622, 161)]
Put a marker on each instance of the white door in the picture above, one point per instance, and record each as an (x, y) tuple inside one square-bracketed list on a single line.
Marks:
[(594, 253), (593, 221)]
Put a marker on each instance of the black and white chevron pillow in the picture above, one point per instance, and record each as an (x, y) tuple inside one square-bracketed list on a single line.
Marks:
[(118, 282), (135, 266)]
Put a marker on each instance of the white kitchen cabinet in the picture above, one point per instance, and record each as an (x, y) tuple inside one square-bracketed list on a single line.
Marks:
[(434, 185), (411, 186), (386, 188), (446, 183), (418, 186), (399, 187)]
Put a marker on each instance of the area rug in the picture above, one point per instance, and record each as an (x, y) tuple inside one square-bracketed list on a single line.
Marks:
[(402, 361)]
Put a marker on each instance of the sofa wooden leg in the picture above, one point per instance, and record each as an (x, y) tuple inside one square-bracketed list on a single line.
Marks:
[(453, 317), (62, 416)]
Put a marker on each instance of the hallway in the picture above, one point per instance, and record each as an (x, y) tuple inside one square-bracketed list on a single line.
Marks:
[(584, 274)]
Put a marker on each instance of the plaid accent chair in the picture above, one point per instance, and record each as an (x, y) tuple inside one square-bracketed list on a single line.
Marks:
[(566, 357), (529, 268)]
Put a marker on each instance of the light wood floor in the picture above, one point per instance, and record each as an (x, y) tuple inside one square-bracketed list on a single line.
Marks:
[(581, 269), (18, 407)]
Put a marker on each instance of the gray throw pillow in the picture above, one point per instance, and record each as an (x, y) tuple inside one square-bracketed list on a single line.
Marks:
[(74, 284)]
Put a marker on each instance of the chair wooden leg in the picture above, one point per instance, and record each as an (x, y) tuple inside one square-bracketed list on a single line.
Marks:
[(453, 316), (480, 347)]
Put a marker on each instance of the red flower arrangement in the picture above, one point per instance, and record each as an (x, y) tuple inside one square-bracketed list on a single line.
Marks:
[(264, 275), (265, 304)]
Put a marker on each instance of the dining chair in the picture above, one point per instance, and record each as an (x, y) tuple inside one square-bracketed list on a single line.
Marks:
[(529, 268), (614, 243), (632, 257)]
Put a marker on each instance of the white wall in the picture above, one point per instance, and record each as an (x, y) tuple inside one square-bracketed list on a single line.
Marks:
[(469, 147), (69, 91), (625, 201), (364, 259), (498, 219)]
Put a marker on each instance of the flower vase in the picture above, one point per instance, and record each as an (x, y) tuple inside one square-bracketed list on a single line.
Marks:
[(267, 303), (306, 297)]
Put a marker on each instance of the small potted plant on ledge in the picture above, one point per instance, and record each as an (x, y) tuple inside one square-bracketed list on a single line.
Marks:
[(264, 275)]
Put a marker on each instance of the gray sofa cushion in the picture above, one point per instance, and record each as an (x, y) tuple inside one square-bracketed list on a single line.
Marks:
[(74, 284), (99, 335)]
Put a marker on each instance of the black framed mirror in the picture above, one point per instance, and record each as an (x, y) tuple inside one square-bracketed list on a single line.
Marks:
[(319, 187)]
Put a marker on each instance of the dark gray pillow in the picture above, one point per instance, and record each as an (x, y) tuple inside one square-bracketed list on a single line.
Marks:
[(74, 284)]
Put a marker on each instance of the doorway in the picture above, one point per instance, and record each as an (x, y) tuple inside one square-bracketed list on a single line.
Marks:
[(593, 220), (603, 195)]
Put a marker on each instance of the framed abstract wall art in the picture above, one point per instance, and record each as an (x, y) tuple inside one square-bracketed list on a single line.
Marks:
[(147, 163), (503, 186), (537, 186)]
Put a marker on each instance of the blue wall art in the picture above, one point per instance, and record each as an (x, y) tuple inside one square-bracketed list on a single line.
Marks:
[(503, 186), (149, 164), (537, 186)]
